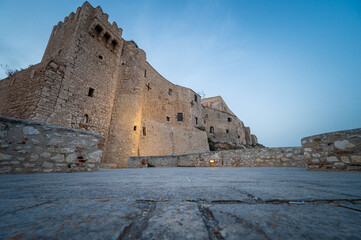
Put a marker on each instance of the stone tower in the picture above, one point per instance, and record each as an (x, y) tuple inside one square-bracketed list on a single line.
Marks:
[(87, 46)]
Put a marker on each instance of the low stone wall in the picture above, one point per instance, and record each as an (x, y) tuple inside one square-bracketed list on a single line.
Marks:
[(260, 157), (336, 150), (30, 147)]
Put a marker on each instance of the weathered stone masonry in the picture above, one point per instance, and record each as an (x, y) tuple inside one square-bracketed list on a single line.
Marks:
[(259, 157), (334, 151), (91, 78), (30, 147)]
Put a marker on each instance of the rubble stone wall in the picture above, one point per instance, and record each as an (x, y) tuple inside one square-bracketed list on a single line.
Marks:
[(261, 157), (31, 147), (20, 93), (335, 151)]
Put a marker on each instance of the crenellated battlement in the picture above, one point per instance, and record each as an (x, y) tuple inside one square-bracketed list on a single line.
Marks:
[(103, 17), (101, 28), (96, 15)]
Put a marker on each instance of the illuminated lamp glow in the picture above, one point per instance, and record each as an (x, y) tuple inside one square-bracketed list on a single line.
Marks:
[(211, 161)]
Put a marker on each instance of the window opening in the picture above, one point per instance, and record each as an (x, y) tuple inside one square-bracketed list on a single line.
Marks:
[(211, 129), (135, 128), (145, 73), (86, 119), (170, 92), (229, 119), (106, 37), (168, 119), (91, 92), (196, 120), (227, 131), (195, 98), (114, 44), (100, 57), (180, 117), (144, 131), (98, 29)]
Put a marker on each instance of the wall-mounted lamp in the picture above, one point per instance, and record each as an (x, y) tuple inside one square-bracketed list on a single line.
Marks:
[(211, 161)]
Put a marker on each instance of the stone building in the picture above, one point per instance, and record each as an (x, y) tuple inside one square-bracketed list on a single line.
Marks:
[(91, 78)]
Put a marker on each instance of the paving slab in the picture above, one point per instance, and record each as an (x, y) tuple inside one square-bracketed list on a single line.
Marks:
[(171, 219), (284, 221), (182, 203), (71, 219)]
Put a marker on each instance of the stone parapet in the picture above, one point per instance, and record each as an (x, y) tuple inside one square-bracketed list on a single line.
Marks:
[(262, 157), (334, 151), (32, 147)]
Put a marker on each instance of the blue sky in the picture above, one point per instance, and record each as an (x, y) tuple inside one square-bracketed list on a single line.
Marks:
[(288, 69)]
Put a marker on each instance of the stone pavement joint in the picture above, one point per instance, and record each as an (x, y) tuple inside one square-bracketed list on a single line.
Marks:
[(210, 221), (134, 229)]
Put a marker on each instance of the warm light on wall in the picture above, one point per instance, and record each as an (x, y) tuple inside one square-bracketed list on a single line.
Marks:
[(211, 161)]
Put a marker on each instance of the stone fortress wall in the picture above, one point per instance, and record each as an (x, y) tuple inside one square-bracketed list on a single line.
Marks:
[(335, 151), (30, 147), (91, 78), (224, 128), (257, 157), (329, 151)]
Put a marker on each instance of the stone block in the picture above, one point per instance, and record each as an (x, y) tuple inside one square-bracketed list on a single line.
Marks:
[(45, 155), (48, 165), (34, 157), (58, 158), (343, 144), (30, 130), (4, 156), (28, 165), (356, 159), (3, 134), (332, 159), (95, 156), (2, 126), (345, 159), (71, 157)]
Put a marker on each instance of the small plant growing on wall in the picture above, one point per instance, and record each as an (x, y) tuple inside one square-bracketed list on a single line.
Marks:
[(134, 43), (9, 70)]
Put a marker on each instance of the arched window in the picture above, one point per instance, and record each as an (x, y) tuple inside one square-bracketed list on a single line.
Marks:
[(86, 119), (211, 129)]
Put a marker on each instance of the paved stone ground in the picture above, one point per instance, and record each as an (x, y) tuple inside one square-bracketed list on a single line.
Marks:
[(182, 203)]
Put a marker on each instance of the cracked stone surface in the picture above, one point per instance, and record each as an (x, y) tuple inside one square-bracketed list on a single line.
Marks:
[(182, 203)]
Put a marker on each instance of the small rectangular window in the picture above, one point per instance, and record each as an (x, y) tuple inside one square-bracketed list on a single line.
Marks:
[(170, 92), (144, 131), (196, 120), (135, 128), (227, 131), (229, 119), (195, 98), (211, 129), (168, 119), (180, 117), (91, 92), (145, 73)]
